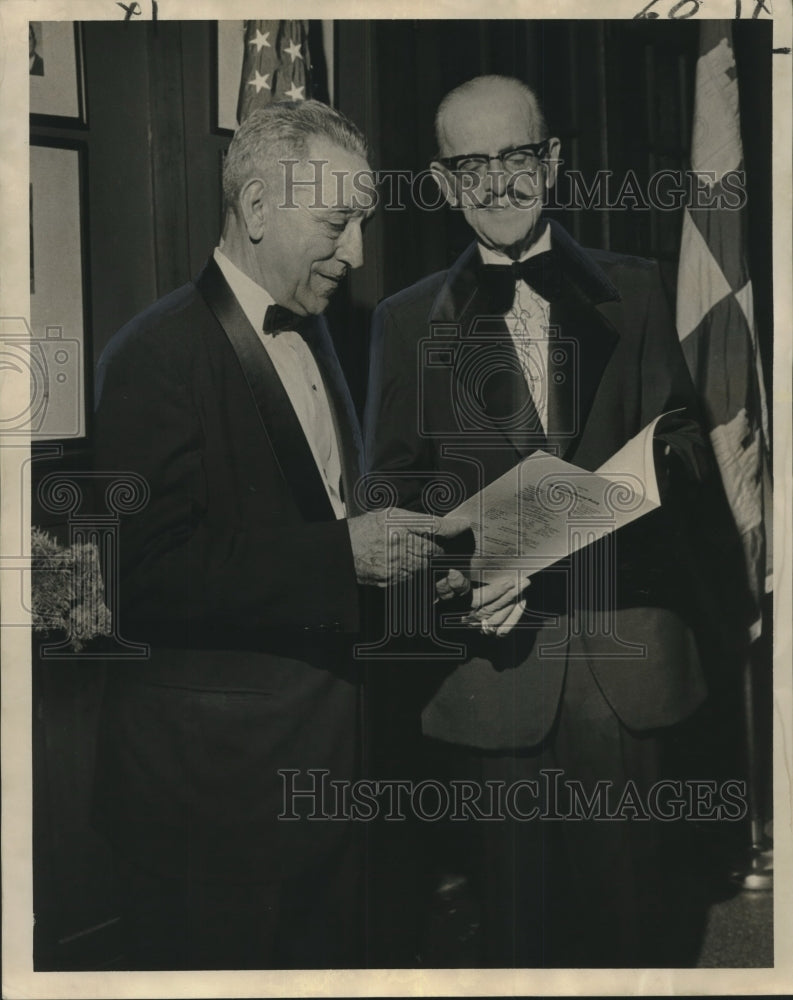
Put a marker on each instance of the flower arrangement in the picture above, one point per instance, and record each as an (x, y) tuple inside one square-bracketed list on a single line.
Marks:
[(67, 590)]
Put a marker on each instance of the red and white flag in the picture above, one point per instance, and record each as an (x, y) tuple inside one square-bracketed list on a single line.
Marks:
[(715, 313)]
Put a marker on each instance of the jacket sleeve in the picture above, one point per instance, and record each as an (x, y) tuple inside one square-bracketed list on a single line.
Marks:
[(189, 561), (396, 449)]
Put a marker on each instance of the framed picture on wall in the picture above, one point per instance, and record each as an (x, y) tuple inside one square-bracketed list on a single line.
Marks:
[(228, 49), (59, 306), (57, 85)]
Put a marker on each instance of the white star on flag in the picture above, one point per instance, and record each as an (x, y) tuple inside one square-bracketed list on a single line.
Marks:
[(294, 51), (276, 65), (261, 40), (259, 82)]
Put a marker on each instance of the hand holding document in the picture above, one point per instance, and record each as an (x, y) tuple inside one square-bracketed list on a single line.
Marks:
[(544, 509), (496, 603)]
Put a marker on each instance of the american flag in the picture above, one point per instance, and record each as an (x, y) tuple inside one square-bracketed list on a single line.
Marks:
[(276, 65), (715, 314)]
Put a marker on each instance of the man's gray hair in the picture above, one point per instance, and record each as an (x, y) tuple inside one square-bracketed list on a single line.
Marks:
[(283, 131), (481, 84)]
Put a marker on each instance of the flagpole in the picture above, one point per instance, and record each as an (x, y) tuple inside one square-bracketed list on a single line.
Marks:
[(715, 321), (757, 874)]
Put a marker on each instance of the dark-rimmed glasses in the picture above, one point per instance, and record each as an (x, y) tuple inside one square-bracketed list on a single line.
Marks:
[(513, 159)]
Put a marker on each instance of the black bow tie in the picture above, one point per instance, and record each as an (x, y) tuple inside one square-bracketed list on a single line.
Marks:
[(278, 318), (542, 272)]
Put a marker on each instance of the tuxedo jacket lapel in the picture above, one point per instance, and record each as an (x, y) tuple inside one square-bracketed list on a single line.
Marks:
[(492, 392), (581, 343), (279, 421), (584, 339), (345, 420)]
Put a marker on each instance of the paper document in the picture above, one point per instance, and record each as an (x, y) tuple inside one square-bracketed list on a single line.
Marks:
[(544, 508)]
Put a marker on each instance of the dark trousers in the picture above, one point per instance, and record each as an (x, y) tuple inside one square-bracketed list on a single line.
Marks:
[(307, 921), (562, 891)]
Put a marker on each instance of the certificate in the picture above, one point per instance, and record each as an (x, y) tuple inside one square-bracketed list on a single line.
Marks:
[(544, 509)]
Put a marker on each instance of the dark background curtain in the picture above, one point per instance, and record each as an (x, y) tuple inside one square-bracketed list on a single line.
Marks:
[(619, 96)]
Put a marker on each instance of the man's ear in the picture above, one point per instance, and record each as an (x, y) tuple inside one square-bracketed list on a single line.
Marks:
[(552, 163), (254, 207), (446, 182)]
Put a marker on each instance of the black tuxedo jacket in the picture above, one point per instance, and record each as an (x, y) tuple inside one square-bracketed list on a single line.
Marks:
[(448, 403), (241, 580)]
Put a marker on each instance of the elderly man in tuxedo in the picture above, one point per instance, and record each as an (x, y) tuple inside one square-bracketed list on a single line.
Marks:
[(529, 341), (243, 573)]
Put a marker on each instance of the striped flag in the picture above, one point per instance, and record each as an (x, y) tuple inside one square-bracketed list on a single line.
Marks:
[(715, 314), (276, 65)]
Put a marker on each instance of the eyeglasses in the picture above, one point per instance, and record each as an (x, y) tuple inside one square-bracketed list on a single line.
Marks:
[(526, 157)]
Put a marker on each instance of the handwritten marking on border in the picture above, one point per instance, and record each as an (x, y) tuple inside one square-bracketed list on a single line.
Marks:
[(680, 11), (134, 9)]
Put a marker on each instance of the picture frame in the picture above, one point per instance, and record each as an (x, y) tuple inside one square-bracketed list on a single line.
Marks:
[(221, 200), (227, 40), (59, 290), (57, 74)]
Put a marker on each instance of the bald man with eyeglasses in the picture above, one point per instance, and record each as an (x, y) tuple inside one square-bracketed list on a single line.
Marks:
[(530, 342)]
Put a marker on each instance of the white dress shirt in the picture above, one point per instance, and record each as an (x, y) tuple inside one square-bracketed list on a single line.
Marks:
[(300, 376), (527, 321)]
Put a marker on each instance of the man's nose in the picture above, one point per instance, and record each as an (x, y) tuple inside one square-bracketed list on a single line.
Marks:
[(496, 181), (350, 246)]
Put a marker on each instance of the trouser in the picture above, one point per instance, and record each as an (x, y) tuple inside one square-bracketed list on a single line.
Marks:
[(189, 794), (311, 920), (563, 891)]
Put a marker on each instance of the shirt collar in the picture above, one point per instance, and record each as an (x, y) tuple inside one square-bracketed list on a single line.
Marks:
[(252, 298), (540, 245)]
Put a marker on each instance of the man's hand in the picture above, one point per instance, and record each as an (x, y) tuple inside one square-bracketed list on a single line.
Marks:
[(454, 584), (386, 552), (496, 602)]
